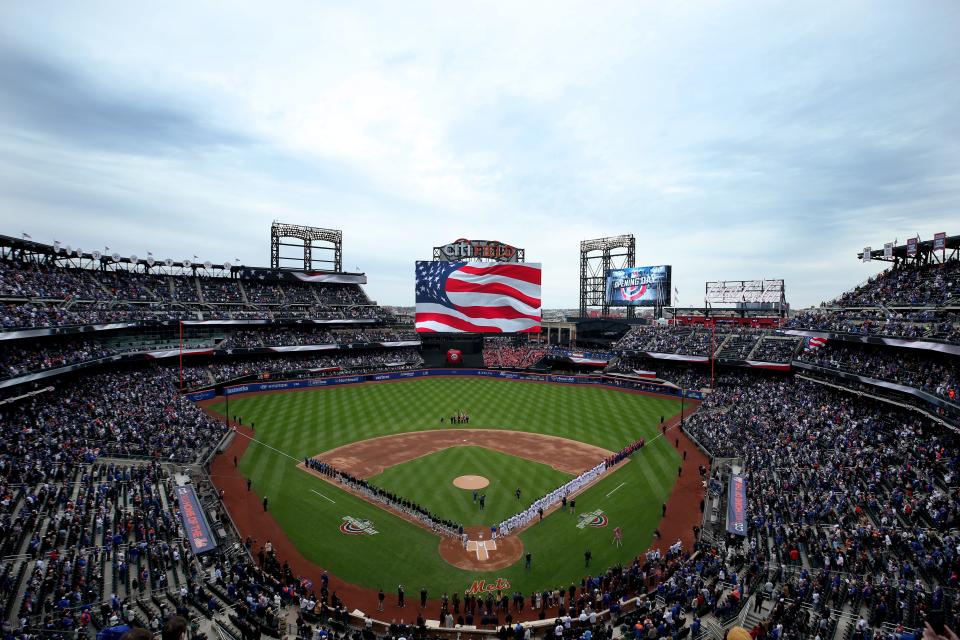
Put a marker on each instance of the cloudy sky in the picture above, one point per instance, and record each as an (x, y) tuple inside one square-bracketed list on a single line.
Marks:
[(734, 139)]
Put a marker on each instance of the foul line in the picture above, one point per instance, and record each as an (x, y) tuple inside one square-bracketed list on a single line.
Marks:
[(323, 496), (283, 453), (652, 440), (264, 444), (618, 486)]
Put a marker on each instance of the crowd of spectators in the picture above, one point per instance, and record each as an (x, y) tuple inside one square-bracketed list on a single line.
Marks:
[(927, 324), (776, 349), (98, 531), (737, 345), (108, 548), (218, 290), (686, 340), (42, 295), (28, 315), (933, 285), (317, 365), (259, 594), (915, 368), (117, 413), (852, 506), (506, 353), (853, 503), (696, 376), (27, 280), (306, 335), (21, 358), (185, 290)]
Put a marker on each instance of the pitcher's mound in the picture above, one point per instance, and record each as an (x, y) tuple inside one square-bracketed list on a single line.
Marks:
[(470, 482)]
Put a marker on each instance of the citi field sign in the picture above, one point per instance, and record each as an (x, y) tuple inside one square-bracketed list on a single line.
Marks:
[(463, 249)]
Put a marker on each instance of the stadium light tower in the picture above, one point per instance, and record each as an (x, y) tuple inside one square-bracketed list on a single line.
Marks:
[(615, 252), (331, 239)]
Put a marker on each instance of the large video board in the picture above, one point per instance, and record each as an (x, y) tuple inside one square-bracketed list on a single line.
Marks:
[(639, 286), (477, 297)]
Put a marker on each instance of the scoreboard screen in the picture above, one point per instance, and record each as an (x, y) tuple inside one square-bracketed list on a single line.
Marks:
[(639, 286)]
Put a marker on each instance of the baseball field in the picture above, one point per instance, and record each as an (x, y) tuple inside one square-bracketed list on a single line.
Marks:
[(364, 544)]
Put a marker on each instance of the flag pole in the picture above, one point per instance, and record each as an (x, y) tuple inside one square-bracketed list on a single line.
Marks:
[(181, 355)]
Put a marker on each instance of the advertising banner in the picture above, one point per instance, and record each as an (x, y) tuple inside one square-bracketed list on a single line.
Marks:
[(255, 387), (316, 277), (56, 331), (194, 522), (639, 286), (883, 384), (737, 506), (939, 241), (907, 343), (737, 291)]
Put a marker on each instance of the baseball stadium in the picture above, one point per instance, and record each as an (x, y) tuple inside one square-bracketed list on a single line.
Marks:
[(219, 431), (378, 423)]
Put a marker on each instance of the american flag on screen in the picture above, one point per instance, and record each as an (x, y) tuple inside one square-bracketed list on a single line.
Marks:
[(478, 297)]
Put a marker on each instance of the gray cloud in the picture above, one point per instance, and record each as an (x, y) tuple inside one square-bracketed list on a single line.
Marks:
[(736, 140), (42, 96)]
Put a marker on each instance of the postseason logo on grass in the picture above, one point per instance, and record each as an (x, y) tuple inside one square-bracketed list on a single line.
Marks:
[(357, 527), (594, 519)]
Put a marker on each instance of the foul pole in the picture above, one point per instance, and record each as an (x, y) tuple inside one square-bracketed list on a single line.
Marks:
[(181, 355), (713, 349)]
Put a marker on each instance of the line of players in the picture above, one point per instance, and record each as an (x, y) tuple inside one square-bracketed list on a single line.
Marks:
[(460, 417)]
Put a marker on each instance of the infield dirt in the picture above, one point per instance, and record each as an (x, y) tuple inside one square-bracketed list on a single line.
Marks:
[(245, 508)]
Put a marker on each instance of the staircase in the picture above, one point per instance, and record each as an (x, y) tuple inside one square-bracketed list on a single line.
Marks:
[(755, 347), (720, 346)]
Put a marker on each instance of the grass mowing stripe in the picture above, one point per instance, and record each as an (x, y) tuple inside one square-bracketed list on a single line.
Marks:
[(306, 423)]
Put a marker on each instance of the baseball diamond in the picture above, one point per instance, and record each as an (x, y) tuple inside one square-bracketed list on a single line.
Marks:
[(513, 425)]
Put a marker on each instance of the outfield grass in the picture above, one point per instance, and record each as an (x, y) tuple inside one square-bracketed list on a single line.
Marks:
[(295, 425), (428, 480)]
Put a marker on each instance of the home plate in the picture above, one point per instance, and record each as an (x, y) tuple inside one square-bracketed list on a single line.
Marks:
[(482, 548)]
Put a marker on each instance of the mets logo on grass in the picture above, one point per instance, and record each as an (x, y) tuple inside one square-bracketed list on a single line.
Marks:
[(357, 527), (482, 586), (594, 519)]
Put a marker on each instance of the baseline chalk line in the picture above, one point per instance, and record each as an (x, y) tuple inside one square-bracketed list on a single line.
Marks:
[(323, 496), (615, 489)]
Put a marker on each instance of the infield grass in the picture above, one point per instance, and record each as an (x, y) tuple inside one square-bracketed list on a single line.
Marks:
[(294, 425), (428, 480)]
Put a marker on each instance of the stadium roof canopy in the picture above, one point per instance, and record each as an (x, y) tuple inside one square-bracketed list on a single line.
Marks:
[(925, 252)]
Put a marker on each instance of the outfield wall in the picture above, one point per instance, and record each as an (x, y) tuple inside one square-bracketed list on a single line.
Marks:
[(283, 385)]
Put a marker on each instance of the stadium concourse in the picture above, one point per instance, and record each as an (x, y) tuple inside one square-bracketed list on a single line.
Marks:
[(849, 455)]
